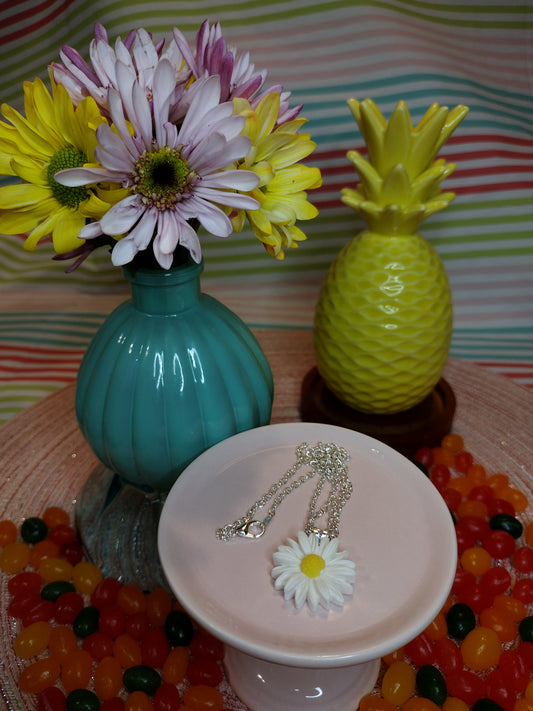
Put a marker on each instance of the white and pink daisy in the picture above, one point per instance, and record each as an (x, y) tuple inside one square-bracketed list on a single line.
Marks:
[(173, 175), (311, 570)]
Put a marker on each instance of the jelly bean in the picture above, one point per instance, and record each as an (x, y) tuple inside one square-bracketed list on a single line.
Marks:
[(500, 621), (462, 581), (454, 704), (138, 701), (67, 607), (62, 534), (76, 670), (131, 599), (23, 602), (525, 650), (500, 544), (179, 628), (63, 642), (372, 702), (41, 550), (55, 516), (398, 683), (528, 693), (42, 611), (460, 620), (388, 659), (51, 699), (420, 650), (25, 582), (465, 537), (471, 507), (203, 698), (112, 621), (154, 647), (72, 551), (462, 484), (465, 685), (204, 671), (419, 703), (32, 640), (430, 684), (498, 481), (98, 645), (504, 522), (53, 591), (114, 704), (205, 645), (86, 621), (523, 559), (523, 705), (463, 461), (452, 498), (137, 625), (108, 678), (8, 532), (448, 655), (167, 698), (478, 526), (33, 529), (476, 560), (482, 493), (525, 629), (453, 441), (523, 590), (424, 455), (514, 670), (127, 651), (498, 691), (515, 497), (158, 606), (481, 648), (486, 705), (496, 580), (440, 476), (86, 577), (477, 598), (52, 569), (499, 506), (36, 677), (82, 700), (105, 593), (513, 607), (175, 666), (443, 456), (141, 678), (14, 557)]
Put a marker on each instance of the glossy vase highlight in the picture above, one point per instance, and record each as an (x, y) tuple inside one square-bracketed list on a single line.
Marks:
[(170, 373)]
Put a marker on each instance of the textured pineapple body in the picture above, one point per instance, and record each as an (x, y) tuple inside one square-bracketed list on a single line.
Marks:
[(383, 322)]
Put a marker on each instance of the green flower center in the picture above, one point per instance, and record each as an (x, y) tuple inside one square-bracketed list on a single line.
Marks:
[(312, 565), (163, 178), (69, 157)]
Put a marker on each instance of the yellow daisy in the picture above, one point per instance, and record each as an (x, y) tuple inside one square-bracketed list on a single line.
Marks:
[(51, 136), (281, 193)]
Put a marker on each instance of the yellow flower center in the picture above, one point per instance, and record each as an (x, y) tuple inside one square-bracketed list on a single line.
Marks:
[(312, 565), (163, 178)]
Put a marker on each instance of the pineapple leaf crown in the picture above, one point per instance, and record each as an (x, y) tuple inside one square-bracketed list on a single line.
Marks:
[(400, 181)]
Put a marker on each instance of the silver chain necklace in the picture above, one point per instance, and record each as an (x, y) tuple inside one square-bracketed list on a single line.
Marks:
[(326, 461)]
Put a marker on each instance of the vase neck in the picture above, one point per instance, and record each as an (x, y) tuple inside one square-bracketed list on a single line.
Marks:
[(165, 292)]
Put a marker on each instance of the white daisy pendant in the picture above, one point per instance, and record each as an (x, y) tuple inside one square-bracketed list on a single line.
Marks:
[(313, 571)]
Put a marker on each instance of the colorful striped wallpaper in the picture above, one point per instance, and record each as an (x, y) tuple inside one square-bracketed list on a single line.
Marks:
[(476, 53)]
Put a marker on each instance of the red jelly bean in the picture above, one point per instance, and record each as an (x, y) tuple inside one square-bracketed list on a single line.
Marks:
[(497, 690), (51, 699), (448, 655), (167, 698), (463, 580), (204, 644), (465, 685), (440, 476), (98, 645), (68, 606), (420, 650), (498, 506), (496, 580), (25, 582), (43, 611), (499, 544), (523, 590), (523, 559), (72, 552), (112, 621), (514, 670), (105, 593), (154, 647), (525, 650), (137, 625), (204, 671), (62, 534), (452, 498)]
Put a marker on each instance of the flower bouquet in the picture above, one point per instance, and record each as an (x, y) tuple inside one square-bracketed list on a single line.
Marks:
[(148, 141), (135, 150)]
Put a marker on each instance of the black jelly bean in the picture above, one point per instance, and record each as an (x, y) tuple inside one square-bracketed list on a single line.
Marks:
[(506, 522), (179, 628), (33, 530), (141, 678), (487, 705), (52, 591), (82, 700), (431, 685), (525, 629), (460, 619), (86, 621)]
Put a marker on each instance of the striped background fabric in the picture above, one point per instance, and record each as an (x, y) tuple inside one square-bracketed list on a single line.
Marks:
[(478, 53)]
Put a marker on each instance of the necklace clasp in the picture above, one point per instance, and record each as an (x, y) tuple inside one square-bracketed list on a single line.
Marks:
[(251, 529)]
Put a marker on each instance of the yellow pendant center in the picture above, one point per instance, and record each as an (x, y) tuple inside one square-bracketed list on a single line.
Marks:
[(312, 565)]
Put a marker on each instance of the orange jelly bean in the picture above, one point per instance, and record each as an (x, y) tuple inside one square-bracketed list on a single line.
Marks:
[(529, 533), (472, 508), (138, 701), (175, 666), (76, 670), (108, 678), (86, 577), (14, 557), (498, 481), (523, 705), (158, 605), (127, 651), (63, 642), (443, 456), (516, 609), (52, 569), (452, 703), (371, 702), (396, 656), (515, 497), (131, 599), (419, 703), (8, 532), (55, 516), (476, 560), (500, 621), (477, 473), (203, 698), (41, 550), (398, 683), (481, 648), (39, 675), (437, 628), (453, 441), (32, 640)]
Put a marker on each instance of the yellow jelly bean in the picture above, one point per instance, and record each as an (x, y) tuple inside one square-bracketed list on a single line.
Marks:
[(398, 683)]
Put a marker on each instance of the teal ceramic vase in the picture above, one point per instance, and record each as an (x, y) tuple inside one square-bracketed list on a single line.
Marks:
[(170, 373)]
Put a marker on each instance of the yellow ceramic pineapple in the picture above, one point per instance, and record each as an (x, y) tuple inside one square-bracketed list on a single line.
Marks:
[(384, 317)]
